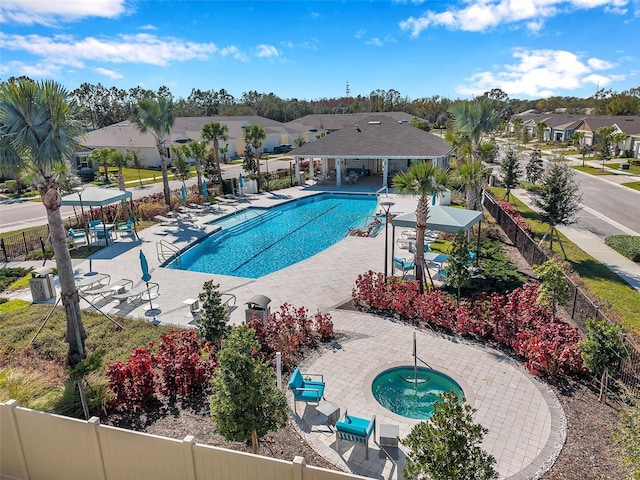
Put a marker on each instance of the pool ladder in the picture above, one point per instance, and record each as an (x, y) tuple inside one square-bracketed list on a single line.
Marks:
[(166, 251)]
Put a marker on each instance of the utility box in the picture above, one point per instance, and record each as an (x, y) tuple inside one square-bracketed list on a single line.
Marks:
[(42, 286), (258, 305)]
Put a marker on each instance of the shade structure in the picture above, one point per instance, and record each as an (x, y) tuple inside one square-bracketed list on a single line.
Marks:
[(183, 193), (442, 219), (95, 197)]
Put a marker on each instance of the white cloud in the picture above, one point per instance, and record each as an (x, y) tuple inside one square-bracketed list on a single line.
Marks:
[(49, 12), (376, 42), (37, 70), (540, 73), (148, 27), (109, 73), (234, 52), (140, 48), (267, 51), (482, 15)]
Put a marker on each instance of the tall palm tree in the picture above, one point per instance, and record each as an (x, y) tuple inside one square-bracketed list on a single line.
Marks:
[(540, 129), (198, 151), (255, 135), (215, 132), (119, 160), (422, 179), (40, 131), (473, 119), (156, 117), (471, 175)]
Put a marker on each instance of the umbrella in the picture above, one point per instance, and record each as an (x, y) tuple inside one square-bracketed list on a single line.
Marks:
[(146, 276), (241, 182), (204, 189), (183, 191)]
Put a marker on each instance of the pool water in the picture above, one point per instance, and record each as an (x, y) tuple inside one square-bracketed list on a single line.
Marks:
[(396, 390), (261, 241)]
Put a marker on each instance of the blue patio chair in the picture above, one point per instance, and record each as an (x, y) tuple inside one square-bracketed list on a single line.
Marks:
[(125, 228), (77, 236), (305, 389), (356, 430), (403, 265), (95, 224)]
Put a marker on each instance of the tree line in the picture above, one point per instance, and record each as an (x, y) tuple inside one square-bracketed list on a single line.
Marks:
[(108, 105)]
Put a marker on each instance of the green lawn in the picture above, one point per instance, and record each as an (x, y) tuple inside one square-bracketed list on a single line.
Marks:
[(624, 301), (634, 185), (592, 170), (632, 168)]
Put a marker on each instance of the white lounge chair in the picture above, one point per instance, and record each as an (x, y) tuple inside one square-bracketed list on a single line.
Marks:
[(165, 220), (141, 293), (121, 286)]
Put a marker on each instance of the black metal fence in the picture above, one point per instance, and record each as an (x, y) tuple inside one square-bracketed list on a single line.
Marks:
[(579, 306), (16, 247)]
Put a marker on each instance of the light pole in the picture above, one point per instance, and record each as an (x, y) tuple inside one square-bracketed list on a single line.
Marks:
[(386, 206), (79, 191)]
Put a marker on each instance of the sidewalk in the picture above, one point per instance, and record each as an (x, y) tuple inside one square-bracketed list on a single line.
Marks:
[(590, 243)]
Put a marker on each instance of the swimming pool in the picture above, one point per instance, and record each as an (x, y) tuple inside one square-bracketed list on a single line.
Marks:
[(261, 241)]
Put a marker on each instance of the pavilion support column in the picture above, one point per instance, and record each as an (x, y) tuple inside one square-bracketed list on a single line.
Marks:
[(297, 168), (385, 171), (338, 172)]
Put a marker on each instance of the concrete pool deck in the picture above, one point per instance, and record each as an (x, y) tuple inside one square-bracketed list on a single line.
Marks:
[(525, 422)]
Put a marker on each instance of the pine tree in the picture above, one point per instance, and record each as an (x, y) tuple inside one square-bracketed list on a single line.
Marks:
[(559, 198), (245, 404), (212, 324), (511, 171), (457, 267), (554, 288)]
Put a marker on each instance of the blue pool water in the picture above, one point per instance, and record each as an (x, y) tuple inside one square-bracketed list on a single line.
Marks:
[(262, 241), (396, 390)]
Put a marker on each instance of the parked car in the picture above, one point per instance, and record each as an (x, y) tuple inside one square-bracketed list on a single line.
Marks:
[(284, 148)]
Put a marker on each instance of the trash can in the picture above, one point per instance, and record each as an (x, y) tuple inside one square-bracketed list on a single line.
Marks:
[(302, 179), (42, 286), (258, 305)]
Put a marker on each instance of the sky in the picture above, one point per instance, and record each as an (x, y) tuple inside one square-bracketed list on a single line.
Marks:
[(327, 49)]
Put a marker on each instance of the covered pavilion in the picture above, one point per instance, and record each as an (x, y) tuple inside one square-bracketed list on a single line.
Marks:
[(378, 145)]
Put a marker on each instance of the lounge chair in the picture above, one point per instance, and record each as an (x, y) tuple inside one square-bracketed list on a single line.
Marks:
[(165, 220), (403, 265), (121, 286), (140, 293), (226, 201), (88, 282), (356, 430), (305, 389)]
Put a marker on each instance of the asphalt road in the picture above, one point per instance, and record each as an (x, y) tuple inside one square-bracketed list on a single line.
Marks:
[(23, 214)]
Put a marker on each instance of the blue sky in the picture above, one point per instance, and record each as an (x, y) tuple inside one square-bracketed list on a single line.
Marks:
[(311, 49)]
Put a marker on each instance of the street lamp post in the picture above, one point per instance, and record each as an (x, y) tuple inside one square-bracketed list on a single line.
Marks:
[(79, 191), (386, 206)]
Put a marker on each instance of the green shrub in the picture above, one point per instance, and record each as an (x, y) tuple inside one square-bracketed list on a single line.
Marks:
[(626, 245), (9, 305), (11, 186), (10, 275), (31, 389), (37, 254), (147, 211)]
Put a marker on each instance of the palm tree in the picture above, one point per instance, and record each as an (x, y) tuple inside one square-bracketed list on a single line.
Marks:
[(255, 135), (136, 162), (40, 131), (198, 151), (102, 157), (119, 160), (540, 129), (471, 175), (618, 138), (215, 132), (472, 119), (156, 117), (422, 179)]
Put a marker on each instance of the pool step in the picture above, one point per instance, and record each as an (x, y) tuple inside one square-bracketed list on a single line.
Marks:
[(248, 224)]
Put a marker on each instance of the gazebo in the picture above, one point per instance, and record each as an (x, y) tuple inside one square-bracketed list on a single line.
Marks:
[(441, 219), (96, 197)]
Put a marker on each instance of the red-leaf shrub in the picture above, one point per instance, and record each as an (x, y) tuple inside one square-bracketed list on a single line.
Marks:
[(182, 363), (510, 210), (132, 381), (516, 321), (291, 330)]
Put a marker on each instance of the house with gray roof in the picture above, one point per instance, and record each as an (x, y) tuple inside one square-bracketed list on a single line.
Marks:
[(560, 127), (125, 137), (375, 145)]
